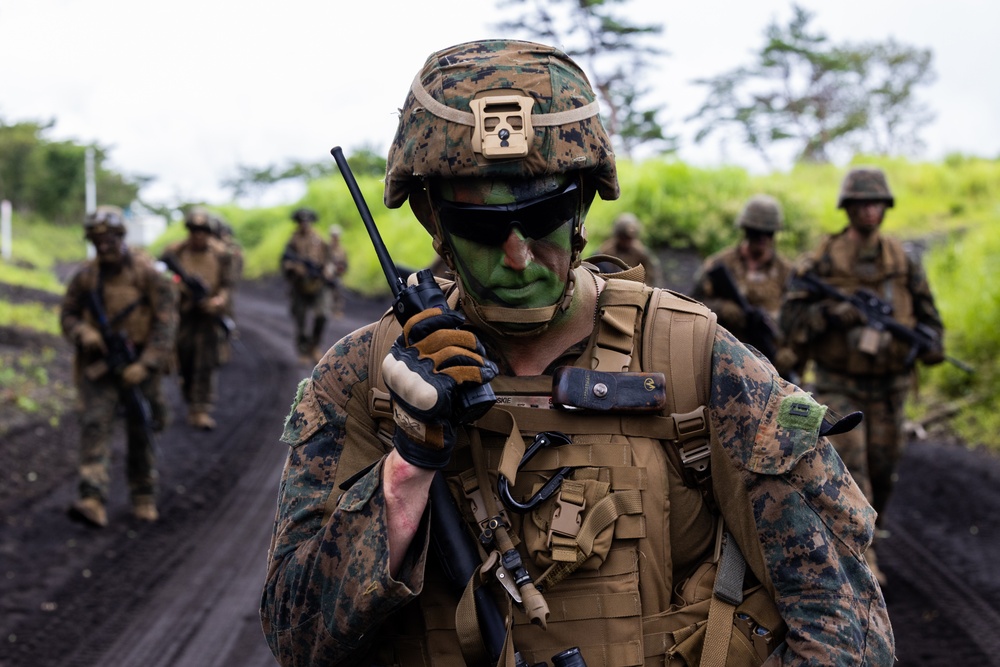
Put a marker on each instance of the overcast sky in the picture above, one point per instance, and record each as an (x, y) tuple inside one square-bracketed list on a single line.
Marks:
[(186, 90)]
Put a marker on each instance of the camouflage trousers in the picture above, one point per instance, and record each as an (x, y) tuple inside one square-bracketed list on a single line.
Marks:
[(198, 340), (100, 402), (871, 451), (307, 338)]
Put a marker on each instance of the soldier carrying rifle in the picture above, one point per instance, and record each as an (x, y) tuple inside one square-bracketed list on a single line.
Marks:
[(304, 264), (120, 313), (859, 363)]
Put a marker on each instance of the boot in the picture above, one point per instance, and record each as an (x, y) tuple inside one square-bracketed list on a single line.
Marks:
[(89, 511), (144, 508), (202, 420)]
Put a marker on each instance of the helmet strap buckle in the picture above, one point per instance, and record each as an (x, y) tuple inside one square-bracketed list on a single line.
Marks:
[(502, 125)]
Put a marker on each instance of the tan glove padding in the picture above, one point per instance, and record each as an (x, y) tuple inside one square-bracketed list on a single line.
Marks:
[(442, 345), (134, 374), (90, 339), (845, 314)]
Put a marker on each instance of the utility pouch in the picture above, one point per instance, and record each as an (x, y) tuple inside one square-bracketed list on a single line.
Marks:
[(872, 341), (582, 388)]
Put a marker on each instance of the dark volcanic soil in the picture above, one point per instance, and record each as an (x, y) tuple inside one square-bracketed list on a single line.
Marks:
[(184, 591)]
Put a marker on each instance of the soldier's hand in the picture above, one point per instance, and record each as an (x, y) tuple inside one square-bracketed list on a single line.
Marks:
[(134, 374), (90, 339), (424, 370), (731, 315), (844, 314), (214, 305)]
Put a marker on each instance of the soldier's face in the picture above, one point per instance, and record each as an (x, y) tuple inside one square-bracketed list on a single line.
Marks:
[(865, 216), (519, 252), (760, 244), (199, 237), (109, 247)]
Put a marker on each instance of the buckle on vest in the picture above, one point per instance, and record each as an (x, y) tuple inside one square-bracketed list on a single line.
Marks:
[(567, 519), (693, 443)]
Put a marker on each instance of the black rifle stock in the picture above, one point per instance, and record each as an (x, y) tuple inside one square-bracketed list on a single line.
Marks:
[(198, 289), (760, 329), (120, 353), (313, 269), (878, 314)]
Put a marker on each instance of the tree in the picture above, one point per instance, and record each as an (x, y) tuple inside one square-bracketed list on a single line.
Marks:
[(254, 180), (613, 51), (47, 178), (821, 97)]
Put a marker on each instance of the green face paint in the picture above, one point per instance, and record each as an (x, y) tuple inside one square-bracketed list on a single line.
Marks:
[(535, 280)]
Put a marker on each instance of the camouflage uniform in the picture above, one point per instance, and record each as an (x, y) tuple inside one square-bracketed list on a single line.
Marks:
[(763, 287), (336, 268), (850, 375), (625, 244), (802, 522), (140, 303), (224, 232), (200, 333), (308, 292)]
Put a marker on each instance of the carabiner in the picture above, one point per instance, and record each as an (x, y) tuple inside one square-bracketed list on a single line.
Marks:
[(543, 439)]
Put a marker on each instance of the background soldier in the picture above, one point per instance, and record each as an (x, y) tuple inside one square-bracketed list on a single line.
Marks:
[(120, 313), (223, 231), (626, 244), (858, 367), (745, 284), (616, 555), (336, 268), (203, 266), (303, 263)]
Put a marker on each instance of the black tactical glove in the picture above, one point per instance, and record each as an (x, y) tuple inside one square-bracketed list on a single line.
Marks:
[(844, 314), (424, 370)]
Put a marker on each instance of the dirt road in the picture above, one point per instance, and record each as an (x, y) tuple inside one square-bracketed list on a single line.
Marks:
[(185, 591)]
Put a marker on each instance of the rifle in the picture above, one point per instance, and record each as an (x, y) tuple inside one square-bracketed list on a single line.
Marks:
[(313, 270), (878, 314), (199, 291), (761, 331), (121, 353)]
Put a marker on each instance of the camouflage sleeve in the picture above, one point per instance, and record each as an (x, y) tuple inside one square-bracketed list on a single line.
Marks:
[(163, 299), (801, 521), (71, 311), (328, 587), (924, 308), (801, 317)]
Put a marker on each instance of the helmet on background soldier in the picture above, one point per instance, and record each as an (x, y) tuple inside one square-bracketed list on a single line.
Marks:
[(304, 215), (104, 219), (627, 226), (199, 219), (865, 184), (761, 213), (499, 109)]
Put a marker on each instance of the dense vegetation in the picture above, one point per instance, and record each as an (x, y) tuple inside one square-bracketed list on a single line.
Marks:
[(950, 208)]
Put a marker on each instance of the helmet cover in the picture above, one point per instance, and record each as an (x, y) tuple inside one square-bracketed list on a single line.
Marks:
[(503, 109)]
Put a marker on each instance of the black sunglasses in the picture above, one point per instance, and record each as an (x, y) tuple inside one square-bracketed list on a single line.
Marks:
[(490, 224)]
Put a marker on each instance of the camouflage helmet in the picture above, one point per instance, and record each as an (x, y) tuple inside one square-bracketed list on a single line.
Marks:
[(503, 109), (304, 215), (199, 218), (627, 225), (865, 184), (761, 213), (104, 219)]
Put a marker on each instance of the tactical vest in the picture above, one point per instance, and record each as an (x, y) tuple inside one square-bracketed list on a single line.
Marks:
[(888, 276), (126, 298), (638, 493), (206, 266)]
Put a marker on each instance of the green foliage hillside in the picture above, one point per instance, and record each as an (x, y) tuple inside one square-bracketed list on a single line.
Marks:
[(952, 208)]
